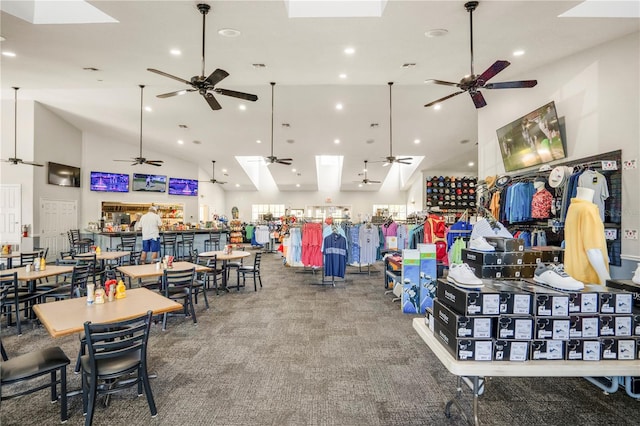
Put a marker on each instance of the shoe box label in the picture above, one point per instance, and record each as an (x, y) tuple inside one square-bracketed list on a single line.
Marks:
[(584, 326), (495, 258), (616, 325), (550, 254), (514, 327), (463, 326), (583, 350), (512, 300), (583, 302), (547, 349), (629, 286), (469, 302), (510, 350), (464, 349), (506, 244), (552, 328), (617, 349)]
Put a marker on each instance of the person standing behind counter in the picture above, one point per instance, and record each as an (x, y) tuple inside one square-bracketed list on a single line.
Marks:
[(150, 224)]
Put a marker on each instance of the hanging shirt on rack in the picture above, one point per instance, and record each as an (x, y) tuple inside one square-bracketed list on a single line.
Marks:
[(311, 242), (541, 204), (335, 255), (369, 240), (596, 181)]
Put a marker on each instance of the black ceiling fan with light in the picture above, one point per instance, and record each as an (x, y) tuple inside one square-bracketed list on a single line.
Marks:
[(272, 158), (15, 159), (206, 86), (366, 180), (141, 159), (472, 83), (391, 158), (213, 175)]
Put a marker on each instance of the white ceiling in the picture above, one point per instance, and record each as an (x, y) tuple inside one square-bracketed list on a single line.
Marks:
[(304, 56)]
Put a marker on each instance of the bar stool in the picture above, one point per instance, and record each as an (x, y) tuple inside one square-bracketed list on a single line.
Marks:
[(184, 247), (213, 243), (169, 241)]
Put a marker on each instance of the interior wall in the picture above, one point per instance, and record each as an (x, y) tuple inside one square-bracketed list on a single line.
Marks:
[(98, 153), (597, 92), (211, 195)]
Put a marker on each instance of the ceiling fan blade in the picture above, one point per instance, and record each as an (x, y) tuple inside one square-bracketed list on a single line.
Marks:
[(374, 181), (31, 163), (182, 80), (512, 84), (478, 99), (443, 99), (220, 182), (492, 71), (211, 100), (176, 93), (156, 163), (441, 82), (285, 161), (240, 95), (125, 160), (216, 77)]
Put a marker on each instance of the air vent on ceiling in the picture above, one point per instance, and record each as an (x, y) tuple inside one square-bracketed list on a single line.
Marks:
[(258, 65), (183, 126), (90, 69), (409, 65), (286, 125)]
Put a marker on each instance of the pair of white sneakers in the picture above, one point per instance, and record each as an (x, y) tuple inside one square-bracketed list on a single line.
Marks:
[(480, 244), (463, 276), (555, 276)]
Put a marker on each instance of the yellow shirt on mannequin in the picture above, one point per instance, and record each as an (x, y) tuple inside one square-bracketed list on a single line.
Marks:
[(583, 231)]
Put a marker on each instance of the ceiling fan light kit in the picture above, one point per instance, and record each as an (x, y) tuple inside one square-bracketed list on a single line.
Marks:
[(472, 83), (205, 86), (15, 160)]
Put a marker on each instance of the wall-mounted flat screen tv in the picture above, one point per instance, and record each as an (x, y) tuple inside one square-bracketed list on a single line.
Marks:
[(63, 175), (183, 186), (532, 139), (149, 183), (109, 182)]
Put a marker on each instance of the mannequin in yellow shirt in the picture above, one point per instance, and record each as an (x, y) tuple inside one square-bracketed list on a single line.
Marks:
[(586, 256)]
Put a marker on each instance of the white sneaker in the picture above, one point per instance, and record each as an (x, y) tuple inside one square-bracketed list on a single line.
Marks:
[(461, 275), (636, 276), (555, 276), (480, 244)]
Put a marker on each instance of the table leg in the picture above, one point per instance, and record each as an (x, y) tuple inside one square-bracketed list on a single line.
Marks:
[(477, 387)]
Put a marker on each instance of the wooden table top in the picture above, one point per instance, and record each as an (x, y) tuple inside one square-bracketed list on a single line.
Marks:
[(149, 270), (106, 255), (235, 254), (66, 317), (50, 271)]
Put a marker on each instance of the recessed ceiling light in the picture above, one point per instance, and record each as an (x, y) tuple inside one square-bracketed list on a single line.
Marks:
[(518, 53), (180, 142), (349, 51), (242, 107), (258, 141), (228, 32), (342, 76), (416, 141), (224, 170), (293, 170), (7, 53), (339, 106), (175, 52), (438, 32), (297, 185), (437, 107), (336, 141), (471, 164), (359, 185), (148, 109), (237, 185)]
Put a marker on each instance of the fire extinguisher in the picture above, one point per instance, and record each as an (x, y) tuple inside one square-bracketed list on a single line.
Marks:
[(25, 230)]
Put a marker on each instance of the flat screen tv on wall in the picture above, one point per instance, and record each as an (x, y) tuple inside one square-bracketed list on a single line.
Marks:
[(183, 186), (149, 183), (533, 139), (109, 182), (63, 175)]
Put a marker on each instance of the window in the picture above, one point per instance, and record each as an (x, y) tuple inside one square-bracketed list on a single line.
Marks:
[(396, 211), (258, 211)]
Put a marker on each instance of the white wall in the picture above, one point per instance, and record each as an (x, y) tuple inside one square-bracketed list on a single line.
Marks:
[(598, 92)]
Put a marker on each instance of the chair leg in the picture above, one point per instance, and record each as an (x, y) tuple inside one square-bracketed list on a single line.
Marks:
[(255, 284), (164, 322), (260, 279), (54, 387), (204, 294), (91, 403), (192, 308), (63, 397), (81, 352), (147, 390)]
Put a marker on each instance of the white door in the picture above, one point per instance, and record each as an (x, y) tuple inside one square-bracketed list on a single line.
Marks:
[(56, 218), (10, 213)]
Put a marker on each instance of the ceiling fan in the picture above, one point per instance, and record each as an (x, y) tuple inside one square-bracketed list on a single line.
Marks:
[(366, 180), (272, 158), (391, 158), (15, 159), (141, 159), (213, 175), (473, 83), (205, 85)]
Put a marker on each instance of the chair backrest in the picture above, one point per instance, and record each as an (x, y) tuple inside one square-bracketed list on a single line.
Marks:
[(67, 254), (8, 287), (28, 258), (134, 257), (169, 238), (75, 234), (188, 237), (256, 261), (128, 242), (79, 278), (118, 339), (44, 251), (177, 279)]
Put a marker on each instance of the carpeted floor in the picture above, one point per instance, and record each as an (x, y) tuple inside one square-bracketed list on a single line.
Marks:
[(301, 354)]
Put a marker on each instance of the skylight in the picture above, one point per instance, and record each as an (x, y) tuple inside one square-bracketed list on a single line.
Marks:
[(56, 12)]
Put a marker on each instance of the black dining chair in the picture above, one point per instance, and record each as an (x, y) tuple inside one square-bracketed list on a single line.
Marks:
[(234, 265), (184, 247), (168, 242), (76, 287), (213, 277), (78, 244), (251, 270), (213, 243), (28, 258), (116, 359), (178, 286), (12, 301), (51, 362)]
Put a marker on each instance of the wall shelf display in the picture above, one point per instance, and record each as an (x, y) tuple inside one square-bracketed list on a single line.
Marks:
[(171, 214), (451, 192)]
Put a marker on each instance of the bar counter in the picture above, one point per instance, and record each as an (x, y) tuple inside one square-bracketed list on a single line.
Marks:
[(110, 240)]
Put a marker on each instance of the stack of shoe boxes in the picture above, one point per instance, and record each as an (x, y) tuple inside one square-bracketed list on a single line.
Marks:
[(510, 260)]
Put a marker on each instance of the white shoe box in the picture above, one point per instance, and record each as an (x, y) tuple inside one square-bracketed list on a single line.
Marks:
[(547, 349), (552, 328), (620, 349), (584, 326), (583, 350)]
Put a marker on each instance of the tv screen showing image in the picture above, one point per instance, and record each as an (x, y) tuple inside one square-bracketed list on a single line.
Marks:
[(149, 183), (532, 140), (183, 186), (63, 175), (109, 182)]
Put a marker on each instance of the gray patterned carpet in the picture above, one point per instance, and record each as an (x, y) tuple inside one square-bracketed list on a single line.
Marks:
[(301, 354)]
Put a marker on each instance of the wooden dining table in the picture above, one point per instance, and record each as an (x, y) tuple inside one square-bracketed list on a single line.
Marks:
[(31, 277), (150, 270), (14, 254), (104, 256), (225, 258), (68, 316)]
